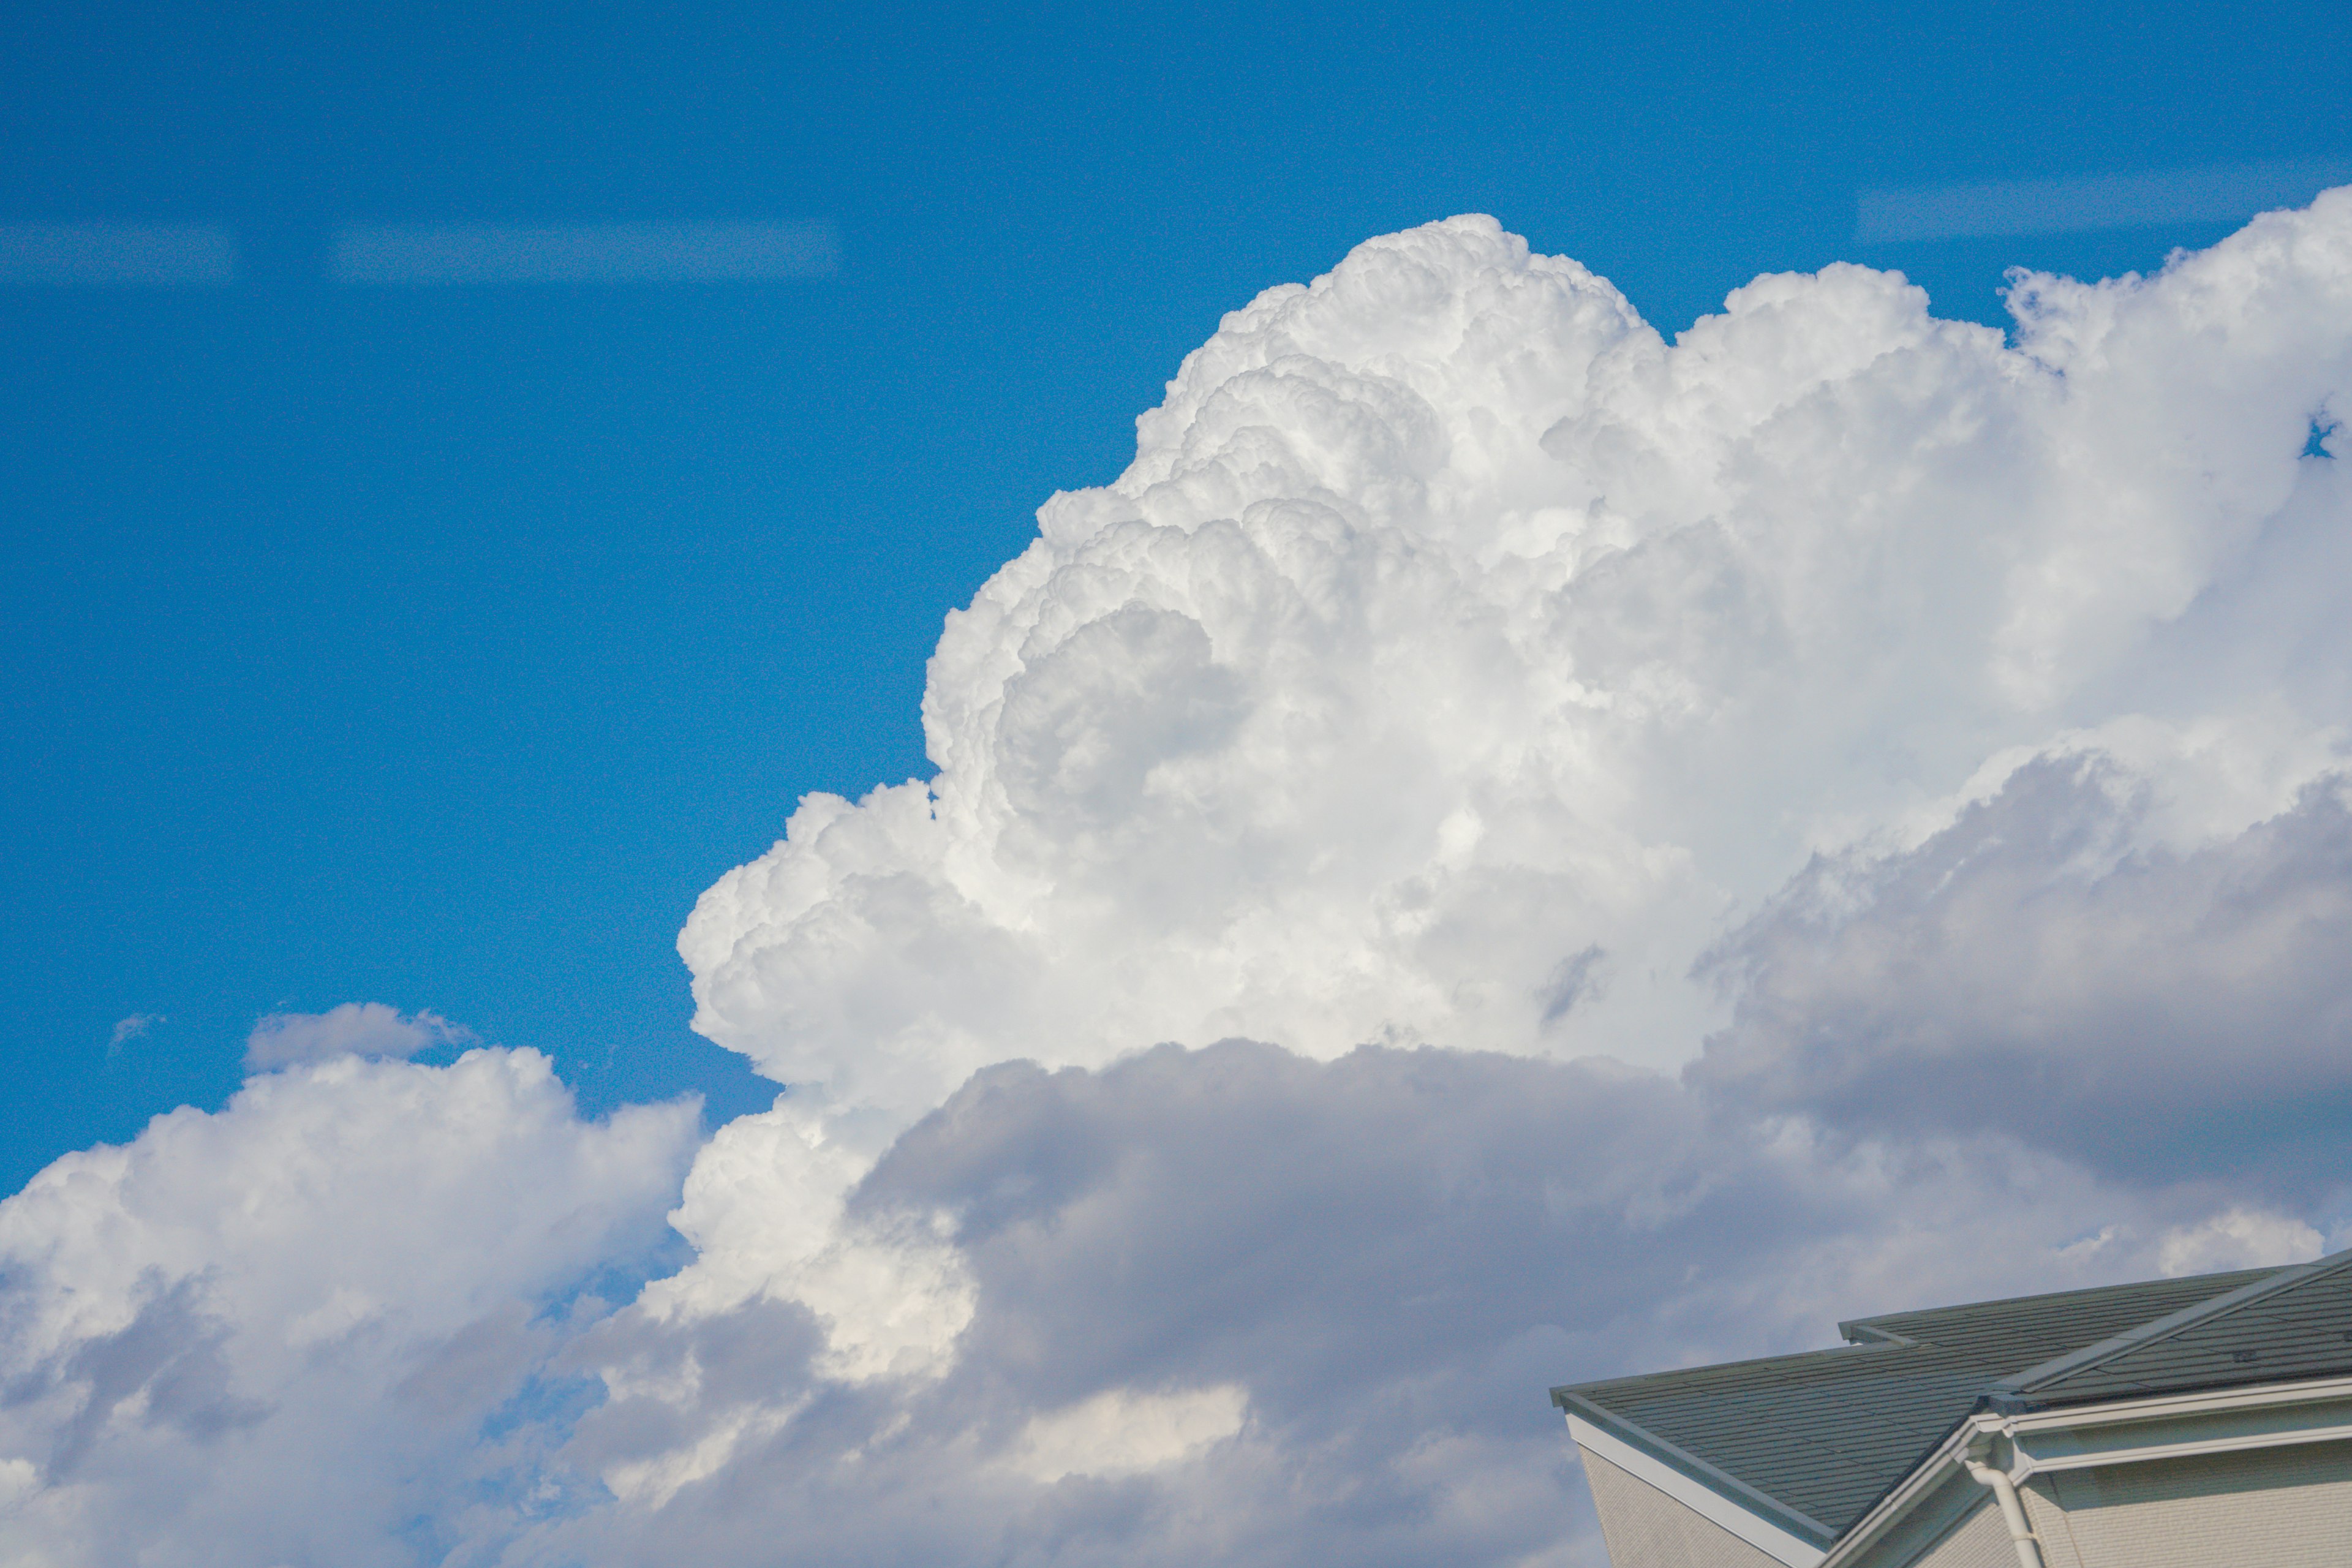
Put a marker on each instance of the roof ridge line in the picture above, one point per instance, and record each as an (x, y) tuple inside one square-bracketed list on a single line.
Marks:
[(1874, 1320), (1714, 1479), (2058, 1368), (1893, 1342)]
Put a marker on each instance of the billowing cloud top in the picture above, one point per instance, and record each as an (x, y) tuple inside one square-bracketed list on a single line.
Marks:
[(1500, 850), (1456, 657)]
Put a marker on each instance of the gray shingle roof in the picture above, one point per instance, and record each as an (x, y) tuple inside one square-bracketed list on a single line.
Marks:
[(1814, 1440), (2295, 1323)]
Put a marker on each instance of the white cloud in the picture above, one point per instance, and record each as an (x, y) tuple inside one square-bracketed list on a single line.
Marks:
[(1232, 1304), (2049, 967), (1119, 1432), (444, 254), (273, 1333), (1460, 663), (2242, 1238), (134, 1027), (764, 1207), (355, 1028), (1449, 626)]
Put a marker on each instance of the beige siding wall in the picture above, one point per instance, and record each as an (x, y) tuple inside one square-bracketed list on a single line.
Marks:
[(1958, 1527), (2280, 1507), (2047, 1515), (1647, 1528), (2274, 1508), (1979, 1541)]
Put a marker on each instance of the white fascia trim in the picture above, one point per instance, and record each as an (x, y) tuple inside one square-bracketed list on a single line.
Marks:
[(2030, 1464), (1704, 1500), (2319, 1427), (2244, 1397)]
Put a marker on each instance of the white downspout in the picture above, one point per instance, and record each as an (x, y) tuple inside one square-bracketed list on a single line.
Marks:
[(2012, 1511)]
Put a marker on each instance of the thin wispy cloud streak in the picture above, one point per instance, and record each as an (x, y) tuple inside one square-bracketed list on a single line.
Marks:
[(671, 252), (117, 255), (2075, 202)]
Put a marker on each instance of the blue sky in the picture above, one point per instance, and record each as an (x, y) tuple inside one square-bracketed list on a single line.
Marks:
[(439, 647)]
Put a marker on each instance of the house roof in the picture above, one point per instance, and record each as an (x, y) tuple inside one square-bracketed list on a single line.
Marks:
[(1813, 1441)]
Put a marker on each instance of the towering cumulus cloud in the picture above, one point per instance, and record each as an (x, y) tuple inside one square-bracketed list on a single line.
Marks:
[(1501, 849), (1456, 657)]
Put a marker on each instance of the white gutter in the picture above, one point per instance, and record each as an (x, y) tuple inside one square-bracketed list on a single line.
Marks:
[(2012, 1511)]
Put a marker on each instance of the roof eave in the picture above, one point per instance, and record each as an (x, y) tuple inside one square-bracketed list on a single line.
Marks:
[(1730, 1487)]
